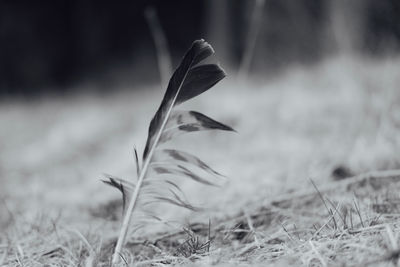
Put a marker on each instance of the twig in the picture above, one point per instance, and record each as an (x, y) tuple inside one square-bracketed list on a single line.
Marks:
[(325, 224), (251, 39), (160, 42), (321, 197), (323, 263), (253, 231), (287, 232), (209, 235), (338, 212), (358, 212), (338, 184)]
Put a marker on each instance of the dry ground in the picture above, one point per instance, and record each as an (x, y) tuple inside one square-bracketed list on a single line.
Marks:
[(293, 131)]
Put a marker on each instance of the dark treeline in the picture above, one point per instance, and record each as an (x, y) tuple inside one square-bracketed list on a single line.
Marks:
[(53, 44)]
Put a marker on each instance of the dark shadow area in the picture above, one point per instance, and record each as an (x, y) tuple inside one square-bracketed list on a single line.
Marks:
[(56, 45)]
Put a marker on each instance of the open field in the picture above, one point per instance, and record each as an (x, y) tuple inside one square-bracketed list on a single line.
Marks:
[(327, 124)]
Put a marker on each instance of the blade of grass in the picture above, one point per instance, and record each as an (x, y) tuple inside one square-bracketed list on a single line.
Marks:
[(251, 39), (160, 41)]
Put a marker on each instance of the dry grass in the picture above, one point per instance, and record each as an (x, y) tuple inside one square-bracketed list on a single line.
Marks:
[(54, 211)]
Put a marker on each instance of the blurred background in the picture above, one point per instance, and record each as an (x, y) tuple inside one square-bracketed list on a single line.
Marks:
[(312, 89), (52, 46)]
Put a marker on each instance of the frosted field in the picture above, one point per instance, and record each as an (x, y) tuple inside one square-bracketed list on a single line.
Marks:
[(294, 128)]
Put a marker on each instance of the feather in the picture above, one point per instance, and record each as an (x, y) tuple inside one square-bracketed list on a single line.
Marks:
[(168, 155), (181, 122), (181, 86), (125, 187), (189, 80), (137, 161), (182, 171)]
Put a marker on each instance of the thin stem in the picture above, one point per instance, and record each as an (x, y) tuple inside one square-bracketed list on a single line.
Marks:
[(160, 41), (143, 172), (251, 39)]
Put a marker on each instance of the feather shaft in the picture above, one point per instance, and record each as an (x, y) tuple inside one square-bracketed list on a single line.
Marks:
[(188, 81), (143, 172)]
